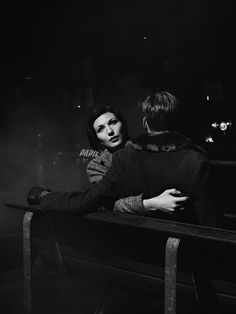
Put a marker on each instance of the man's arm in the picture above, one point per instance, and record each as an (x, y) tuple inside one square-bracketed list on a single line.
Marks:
[(109, 188)]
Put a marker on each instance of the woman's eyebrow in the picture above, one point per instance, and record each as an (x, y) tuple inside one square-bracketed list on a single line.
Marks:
[(112, 119), (107, 122), (99, 126)]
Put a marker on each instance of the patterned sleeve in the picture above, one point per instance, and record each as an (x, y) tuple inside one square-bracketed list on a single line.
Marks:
[(130, 205), (96, 170)]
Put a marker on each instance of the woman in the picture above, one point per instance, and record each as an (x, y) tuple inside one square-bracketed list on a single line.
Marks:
[(107, 132)]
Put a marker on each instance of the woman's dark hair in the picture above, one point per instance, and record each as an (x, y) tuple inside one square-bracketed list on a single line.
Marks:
[(161, 111), (97, 112)]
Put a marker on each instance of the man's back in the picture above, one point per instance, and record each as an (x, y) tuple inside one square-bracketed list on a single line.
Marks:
[(152, 173), (152, 164)]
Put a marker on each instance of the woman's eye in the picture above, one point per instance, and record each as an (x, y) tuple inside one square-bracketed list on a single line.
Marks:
[(99, 130), (113, 121)]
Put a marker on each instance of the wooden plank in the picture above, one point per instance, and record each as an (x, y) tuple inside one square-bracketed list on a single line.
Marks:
[(23, 206), (220, 163), (170, 228), (175, 229)]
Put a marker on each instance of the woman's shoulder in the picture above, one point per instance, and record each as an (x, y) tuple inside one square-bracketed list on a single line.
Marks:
[(98, 166), (104, 159)]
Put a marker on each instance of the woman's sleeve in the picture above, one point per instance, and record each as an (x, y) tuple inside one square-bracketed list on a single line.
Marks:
[(95, 171), (130, 205)]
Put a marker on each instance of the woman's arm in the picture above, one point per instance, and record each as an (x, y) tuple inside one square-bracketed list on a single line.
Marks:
[(130, 205), (168, 202), (96, 169)]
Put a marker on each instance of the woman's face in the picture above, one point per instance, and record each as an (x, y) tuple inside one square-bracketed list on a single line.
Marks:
[(108, 130)]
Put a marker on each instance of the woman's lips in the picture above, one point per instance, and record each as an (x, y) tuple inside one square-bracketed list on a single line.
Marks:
[(114, 139)]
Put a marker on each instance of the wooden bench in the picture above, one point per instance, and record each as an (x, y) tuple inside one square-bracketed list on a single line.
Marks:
[(136, 250)]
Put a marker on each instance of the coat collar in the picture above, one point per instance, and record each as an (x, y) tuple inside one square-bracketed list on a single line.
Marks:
[(165, 141)]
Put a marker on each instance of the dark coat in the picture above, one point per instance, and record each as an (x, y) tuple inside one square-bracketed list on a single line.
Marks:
[(149, 164)]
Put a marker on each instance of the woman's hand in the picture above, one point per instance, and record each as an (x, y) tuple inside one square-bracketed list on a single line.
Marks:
[(169, 201)]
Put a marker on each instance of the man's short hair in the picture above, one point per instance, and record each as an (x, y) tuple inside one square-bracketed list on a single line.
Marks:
[(161, 111)]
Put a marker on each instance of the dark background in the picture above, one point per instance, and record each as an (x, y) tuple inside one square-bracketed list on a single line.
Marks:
[(59, 61), (56, 58)]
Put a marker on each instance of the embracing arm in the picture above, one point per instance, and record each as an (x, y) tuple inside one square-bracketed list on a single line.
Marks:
[(109, 188), (166, 202)]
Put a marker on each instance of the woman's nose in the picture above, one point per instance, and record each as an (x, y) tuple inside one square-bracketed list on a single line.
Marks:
[(110, 131)]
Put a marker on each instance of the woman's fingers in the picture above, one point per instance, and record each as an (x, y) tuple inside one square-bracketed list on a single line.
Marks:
[(182, 199), (177, 193), (173, 191)]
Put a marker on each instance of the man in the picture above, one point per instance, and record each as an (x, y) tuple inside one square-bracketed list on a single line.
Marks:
[(160, 159)]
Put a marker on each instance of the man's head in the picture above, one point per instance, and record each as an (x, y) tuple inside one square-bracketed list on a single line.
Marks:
[(161, 112)]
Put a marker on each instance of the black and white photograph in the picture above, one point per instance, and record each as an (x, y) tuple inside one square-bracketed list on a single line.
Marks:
[(118, 157)]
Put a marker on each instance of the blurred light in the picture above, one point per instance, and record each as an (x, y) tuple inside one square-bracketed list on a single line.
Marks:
[(223, 126), (144, 37), (208, 98), (54, 162), (209, 139), (28, 78), (78, 106), (215, 125)]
